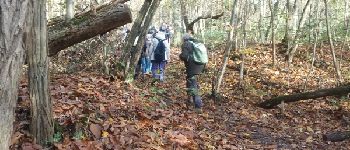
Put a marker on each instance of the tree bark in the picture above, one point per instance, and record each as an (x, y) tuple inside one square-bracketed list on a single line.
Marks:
[(337, 136), (41, 107), (12, 27), (83, 27), (268, 104)]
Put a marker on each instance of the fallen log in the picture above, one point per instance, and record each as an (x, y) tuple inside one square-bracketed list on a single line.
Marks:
[(337, 136), (63, 34), (271, 103)]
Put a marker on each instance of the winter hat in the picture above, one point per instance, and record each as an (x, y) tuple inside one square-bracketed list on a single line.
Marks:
[(186, 36)]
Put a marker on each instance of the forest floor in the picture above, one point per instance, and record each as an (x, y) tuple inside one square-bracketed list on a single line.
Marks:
[(91, 112)]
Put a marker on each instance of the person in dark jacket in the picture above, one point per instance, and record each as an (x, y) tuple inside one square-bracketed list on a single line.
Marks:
[(192, 70)]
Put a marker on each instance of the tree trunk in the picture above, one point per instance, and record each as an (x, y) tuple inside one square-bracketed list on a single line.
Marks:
[(41, 106), (336, 65), (273, 10), (83, 27), (298, 33), (316, 38), (291, 11), (268, 104), (139, 29), (229, 45), (12, 27), (260, 24), (69, 9), (244, 43)]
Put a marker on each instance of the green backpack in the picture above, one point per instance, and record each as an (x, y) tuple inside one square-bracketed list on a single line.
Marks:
[(200, 53)]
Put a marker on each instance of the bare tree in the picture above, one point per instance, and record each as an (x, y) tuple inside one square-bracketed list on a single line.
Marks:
[(336, 65), (273, 10), (294, 46), (189, 25), (229, 46)]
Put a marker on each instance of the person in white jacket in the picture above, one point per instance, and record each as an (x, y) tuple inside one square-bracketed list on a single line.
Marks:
[(158, 67), (146, 62)]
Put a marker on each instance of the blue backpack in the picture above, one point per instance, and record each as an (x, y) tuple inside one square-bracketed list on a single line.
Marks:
[(159, 52)]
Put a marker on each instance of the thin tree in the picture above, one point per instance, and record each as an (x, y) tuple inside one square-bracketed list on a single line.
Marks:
[(39, 94), (316, 38), (229, 47), (335, 63), (273, 10), (139, 29), (294, 46), (12, 27)]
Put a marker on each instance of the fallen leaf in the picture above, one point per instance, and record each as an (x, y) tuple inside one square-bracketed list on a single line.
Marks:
[(309, 139), (105, 134), (96, 130)]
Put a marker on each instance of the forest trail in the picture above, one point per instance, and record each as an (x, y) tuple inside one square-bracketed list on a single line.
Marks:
[(92, 112)]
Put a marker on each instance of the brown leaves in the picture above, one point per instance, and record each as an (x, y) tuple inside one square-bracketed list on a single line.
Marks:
[(96, 130), (178, 138), (112, 115)]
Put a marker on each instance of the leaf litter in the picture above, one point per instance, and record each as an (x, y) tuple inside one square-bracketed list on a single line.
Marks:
[(91, 112)]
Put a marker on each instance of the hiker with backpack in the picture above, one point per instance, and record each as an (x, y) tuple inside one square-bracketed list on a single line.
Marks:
[(194, 55), (160, 55)]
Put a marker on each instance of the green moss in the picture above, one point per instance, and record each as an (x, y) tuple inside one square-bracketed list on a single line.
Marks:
[(79, 20)]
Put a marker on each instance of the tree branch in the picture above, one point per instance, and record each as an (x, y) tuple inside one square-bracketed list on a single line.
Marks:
[(189, 26), (209, 16), (268, 104)]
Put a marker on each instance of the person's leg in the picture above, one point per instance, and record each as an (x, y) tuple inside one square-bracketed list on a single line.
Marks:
[(193, 90), (162, 66), (143, 65), (148, 65), (155, 70)]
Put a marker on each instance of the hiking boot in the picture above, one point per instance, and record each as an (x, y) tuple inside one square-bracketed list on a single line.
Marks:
[(197, 102)]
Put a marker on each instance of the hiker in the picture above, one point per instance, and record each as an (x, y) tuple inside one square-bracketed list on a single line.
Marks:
[(168, 33), (192, 70), (163, 27), (160, 55), (146, 61)]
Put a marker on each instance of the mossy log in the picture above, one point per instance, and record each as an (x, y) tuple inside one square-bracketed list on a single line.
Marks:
[(271, 103), (63, 34)]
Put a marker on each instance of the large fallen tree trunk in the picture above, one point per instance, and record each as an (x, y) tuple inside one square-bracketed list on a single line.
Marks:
[(86, 26), (268, 104), (337, 136)]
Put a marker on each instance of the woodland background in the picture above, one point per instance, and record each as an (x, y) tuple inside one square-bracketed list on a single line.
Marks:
[(259, 51)]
